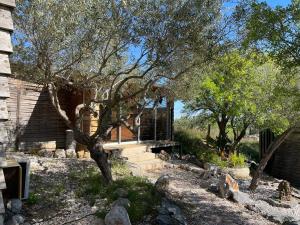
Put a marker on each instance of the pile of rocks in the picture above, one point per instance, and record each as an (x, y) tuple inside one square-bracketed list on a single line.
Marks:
[(13, 214)]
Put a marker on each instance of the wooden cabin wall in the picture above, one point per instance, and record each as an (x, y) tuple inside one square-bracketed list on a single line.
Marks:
[(33, 118), (286, 160)]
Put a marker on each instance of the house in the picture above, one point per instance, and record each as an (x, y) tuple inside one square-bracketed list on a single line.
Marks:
[(285, 162), (35, 124)]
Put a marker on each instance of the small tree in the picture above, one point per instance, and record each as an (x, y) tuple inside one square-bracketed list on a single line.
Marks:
[(119, 49), (240, 90)]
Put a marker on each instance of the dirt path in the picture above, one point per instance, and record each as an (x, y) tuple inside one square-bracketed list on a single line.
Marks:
[(201, 207)]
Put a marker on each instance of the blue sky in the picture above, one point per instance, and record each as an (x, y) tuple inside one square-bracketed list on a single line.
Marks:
[(179, 105)]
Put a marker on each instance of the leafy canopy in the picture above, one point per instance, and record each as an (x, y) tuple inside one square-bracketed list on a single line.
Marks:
[(248, 89)]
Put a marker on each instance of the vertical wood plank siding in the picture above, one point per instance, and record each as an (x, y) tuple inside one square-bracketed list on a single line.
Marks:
[(285, 163), (32, 116)]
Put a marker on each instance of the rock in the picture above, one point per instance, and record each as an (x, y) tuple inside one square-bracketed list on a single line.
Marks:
[(170, 214), (121, 192), (210, 167), (80, 154), (285, 191), (162, 183), (60, 153), (87, 155), (117, 216), (164, 220), (14, 205), (291, 223), (227, 186), (238, 173), (163, 155), (241, 197), (121, 202), (71, 153), (1, 219), (46, 153), (18, 218)]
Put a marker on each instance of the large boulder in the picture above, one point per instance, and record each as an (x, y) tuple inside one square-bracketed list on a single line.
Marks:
[(162, 183), (117, 216)]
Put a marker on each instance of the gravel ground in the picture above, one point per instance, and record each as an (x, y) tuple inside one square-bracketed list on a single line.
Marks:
[(57, 204), (53, 186), (205, 208)]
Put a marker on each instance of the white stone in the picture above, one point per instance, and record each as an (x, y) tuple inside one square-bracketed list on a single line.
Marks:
[(117, 216), (70, 153), (60, 153)]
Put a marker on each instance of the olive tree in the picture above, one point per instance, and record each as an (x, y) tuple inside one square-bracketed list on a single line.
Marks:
[(110, 47)]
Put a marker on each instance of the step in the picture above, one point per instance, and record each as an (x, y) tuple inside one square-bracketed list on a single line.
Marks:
[(151, 164), (141, 157), (129, 152)]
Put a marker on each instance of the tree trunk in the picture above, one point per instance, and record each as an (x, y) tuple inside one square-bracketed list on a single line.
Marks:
[(222, 138), (101, 158), (238, 138), (270, 151)]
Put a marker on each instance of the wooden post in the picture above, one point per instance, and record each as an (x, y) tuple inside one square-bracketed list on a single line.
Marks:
[(119, 130), (155, 125), (139, 130)]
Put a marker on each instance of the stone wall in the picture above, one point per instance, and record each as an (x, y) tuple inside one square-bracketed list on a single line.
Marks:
[(6, 28)]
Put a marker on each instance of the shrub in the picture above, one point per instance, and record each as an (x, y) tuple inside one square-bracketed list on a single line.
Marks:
[(250, 149), (32, 199), (190, 140), (211, 156), (141, 193), (236, 160)]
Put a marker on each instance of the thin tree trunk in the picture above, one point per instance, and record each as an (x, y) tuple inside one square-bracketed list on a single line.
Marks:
[(101, 158), (270, 151), (238, 138)]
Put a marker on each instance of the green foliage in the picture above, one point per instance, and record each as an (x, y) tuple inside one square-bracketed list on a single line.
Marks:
[(250, 149), (236, 160), (32, 199), (275, 30), (190, 140), (243, 89), (141, 193), (211, 156)]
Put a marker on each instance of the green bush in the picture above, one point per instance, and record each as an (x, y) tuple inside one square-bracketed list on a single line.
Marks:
[(141, 193), (237, 160), (32, 199), (250, 149), (190, 140), (211, 156)]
